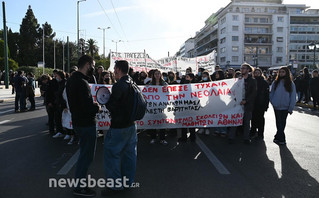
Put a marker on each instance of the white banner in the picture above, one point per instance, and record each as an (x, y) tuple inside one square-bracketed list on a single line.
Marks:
[(140, 61), (212, 104)]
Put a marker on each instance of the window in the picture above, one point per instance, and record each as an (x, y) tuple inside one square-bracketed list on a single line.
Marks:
[(223, 50), (280, 29), (235, 17), (280, 39), (247, 20), (280, 19), (223, 20), (235, 38), (278, 59), (234, 58), (279, 49), (245, 10), (263, 20), (235, 28), (223, 31), (223, 40), (222, 59), (235, 48), (255, 20)]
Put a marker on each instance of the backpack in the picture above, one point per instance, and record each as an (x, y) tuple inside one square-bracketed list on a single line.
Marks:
[(139, 102)]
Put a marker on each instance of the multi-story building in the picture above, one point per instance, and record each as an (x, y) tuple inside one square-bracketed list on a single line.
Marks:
[(187, 49), (266, 33), (262, 33), (206, 40), (304, 30)]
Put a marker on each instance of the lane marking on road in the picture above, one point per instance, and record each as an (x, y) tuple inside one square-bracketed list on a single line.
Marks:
[(4, 121), (68, 166), (212, 158)]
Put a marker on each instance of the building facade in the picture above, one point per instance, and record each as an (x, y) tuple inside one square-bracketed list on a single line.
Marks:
[(262, 33)]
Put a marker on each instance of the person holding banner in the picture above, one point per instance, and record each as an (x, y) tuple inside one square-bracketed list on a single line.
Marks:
[(189, 78), (83, 110), (205, 78), (283, 99), (158, 80), (248, 102), (120, 142)]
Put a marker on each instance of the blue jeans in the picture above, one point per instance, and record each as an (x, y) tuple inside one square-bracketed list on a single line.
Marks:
[(87, 137), (281, 117), (120, 151)]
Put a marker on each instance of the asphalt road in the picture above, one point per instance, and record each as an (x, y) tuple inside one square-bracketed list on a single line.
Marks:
[(211, 167)]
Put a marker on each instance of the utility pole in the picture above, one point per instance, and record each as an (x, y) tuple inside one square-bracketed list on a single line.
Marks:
[(43, 48), (68, 54), (6, 65), (54, 55), (63, 63), (104, 43), (78, 26)]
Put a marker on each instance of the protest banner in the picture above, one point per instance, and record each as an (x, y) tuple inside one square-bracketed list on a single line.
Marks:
[(141, 61), (211, 104)]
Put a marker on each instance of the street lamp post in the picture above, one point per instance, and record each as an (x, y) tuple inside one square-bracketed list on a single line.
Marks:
[(78, 27), (313, 46), (116, 44), (103, 39)]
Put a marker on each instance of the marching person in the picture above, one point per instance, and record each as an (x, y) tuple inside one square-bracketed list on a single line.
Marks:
[(19, 82), (83, 110), (158, 80), (314, 89), (283, 99), (248, 102), (260, 106), (120, 142), (189, 78)]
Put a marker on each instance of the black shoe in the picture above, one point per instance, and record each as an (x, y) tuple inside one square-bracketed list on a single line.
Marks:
[(107, 192), (84, 192), (31, 109), (247, 142), (282, 143), (17, 111)]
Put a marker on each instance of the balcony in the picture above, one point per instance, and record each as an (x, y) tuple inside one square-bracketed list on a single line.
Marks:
[(258, 41), (259, 32)]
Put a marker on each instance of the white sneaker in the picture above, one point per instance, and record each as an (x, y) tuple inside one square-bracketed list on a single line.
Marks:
[(67, 137), (152, 141), (71, 141), (207, 132), (58, 135), (163, 142), (200, 131)]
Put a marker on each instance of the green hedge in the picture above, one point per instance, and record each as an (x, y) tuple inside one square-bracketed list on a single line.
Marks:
[(12, 64)]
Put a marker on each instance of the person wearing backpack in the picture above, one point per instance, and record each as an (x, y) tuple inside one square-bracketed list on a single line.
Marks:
[(120, 142)]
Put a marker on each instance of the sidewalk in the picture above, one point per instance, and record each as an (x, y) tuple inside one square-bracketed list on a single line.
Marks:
[(6, 94)]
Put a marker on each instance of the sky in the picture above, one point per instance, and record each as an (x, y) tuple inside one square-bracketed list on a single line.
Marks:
[(158, 27)]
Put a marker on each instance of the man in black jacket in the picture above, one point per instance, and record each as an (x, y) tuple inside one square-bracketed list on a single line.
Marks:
[(121, 139), (247, 102), (314, 89), (83, 110)]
